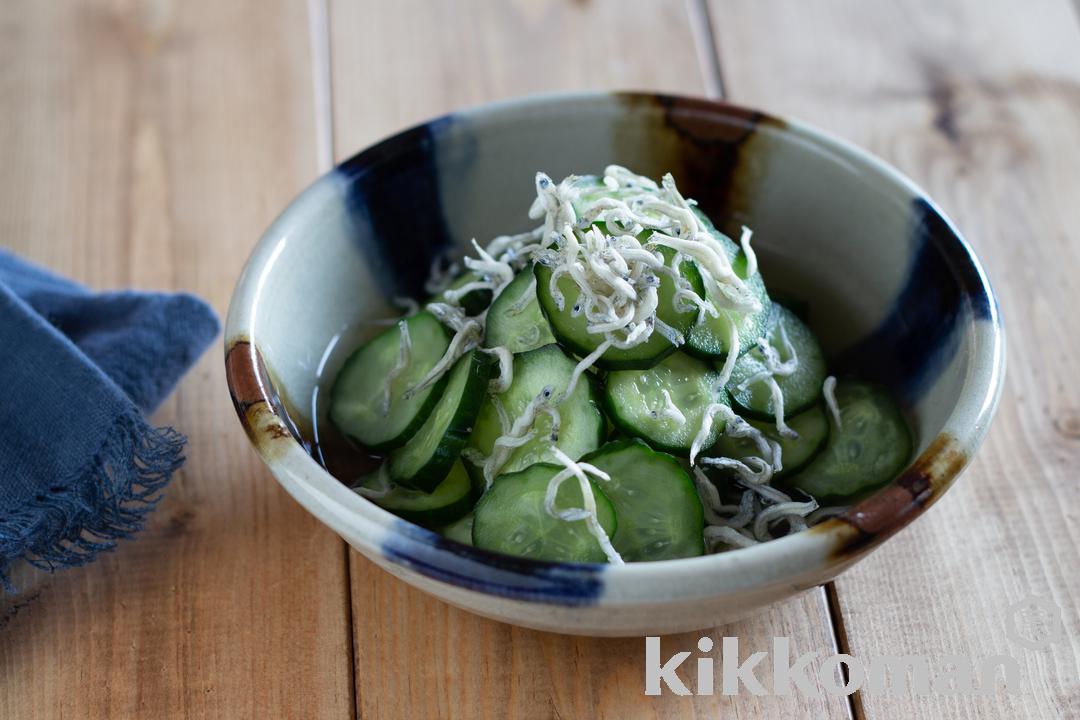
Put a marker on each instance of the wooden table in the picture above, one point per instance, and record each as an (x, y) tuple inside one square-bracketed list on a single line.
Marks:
[(150, 143)]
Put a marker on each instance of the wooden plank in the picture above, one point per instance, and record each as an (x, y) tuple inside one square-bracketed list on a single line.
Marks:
[(150, 144), (977, 101), (416, 657), (430, 57)]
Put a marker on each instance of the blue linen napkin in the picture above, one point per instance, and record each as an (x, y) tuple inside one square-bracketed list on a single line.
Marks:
[(80, 467)]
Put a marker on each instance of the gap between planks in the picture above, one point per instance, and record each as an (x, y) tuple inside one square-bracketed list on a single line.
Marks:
[(856, 709), (700, 19), (318, 13)]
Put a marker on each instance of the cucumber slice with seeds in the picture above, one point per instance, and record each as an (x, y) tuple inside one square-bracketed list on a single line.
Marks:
[(582, 425), (450, 499), (514, 320), (871, 446), (511, 518), (801, 389), (571, 332), (358, 396), (656, 503), (795, 453), (709, 339), (425, 460), (665, 404)]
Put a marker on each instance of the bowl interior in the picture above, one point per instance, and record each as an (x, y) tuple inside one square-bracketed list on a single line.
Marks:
[(891, 290)]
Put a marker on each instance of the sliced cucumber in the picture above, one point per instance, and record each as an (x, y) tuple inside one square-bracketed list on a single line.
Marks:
[(812, 426), (473, 302), (666, 403), (710, 338), (459, 530), (582, 424), (571, 332), (425, 460), (511, 518), (514, 320), (657, 506), (591, 188), (801, 389), (357, 399), (450, 499), (869, 448), (476, 474)]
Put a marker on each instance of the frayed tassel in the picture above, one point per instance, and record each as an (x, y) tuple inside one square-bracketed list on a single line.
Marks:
[(79, 517)]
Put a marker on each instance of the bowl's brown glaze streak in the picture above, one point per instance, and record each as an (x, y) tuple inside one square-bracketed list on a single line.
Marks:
[(256, 399), (268, 417), (708, 173), (881, 515), (710, 154)]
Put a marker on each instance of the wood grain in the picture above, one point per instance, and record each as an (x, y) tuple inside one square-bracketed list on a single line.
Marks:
[(419, 658), (431, 57), (978, 102), (150, 144)]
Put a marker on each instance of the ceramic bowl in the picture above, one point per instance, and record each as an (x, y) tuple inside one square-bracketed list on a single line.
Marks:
[(894, 292)]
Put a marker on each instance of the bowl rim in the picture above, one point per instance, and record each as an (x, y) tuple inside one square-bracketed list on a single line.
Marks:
[(799, 561)]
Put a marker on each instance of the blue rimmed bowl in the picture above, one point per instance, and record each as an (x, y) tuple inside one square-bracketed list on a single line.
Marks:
[(893, 291)]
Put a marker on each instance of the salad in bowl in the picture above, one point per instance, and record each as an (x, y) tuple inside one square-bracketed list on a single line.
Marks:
[(614, 385)]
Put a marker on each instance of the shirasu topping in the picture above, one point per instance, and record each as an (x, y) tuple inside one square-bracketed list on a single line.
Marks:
[(440, 275), (518, 306), (605, 236), (468, 332), (616, 270), (506, 369), (404, 358), (762, 507), (707, 419), (753, 520), (587, 513), (669, 409), (520, 430), (775, 367), (828, 390), (751, 256), (496, 266)]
